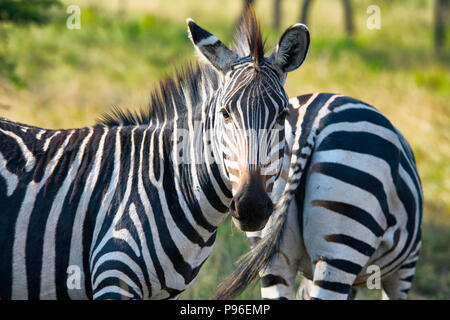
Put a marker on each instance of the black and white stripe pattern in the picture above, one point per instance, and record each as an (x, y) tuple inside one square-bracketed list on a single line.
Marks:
[(98, 199), (357, 210), (359, 204), (128, 208)]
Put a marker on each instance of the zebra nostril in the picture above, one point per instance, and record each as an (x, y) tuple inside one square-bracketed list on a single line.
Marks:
[(232, 206)]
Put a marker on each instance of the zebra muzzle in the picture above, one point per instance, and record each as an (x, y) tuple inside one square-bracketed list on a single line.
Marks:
[(251, 207)]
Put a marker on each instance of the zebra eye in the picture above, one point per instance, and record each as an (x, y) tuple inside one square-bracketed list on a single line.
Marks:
[(225, 114), (282, 116)]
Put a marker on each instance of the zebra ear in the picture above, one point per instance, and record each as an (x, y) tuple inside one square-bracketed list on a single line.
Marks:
[(292, 48), (210, 48)]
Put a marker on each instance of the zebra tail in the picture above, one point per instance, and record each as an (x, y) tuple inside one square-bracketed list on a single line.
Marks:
[(258, 258)]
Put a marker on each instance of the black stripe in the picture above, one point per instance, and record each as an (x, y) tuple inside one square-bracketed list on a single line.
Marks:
[(168, 244), (117, 283), (46, 156), (13, 155), (209, 123), (109, 296), (357, 115), (95, 203), (339, 101), (356, 244), (351, 212), (9, 209), (119, 194), (270, 280), (178, 216), (405, 291), (371, 144), (333, 286), (208, 190), (409, 265), (155, 157), (112, 245), (277, 298), (189, 197), (121, 266), (408, 279), (310, 115), (345, 265), (39, 215), (359, 179), (64, 229)]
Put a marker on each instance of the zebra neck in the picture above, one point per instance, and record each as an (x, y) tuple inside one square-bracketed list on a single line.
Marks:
[(198, 169)]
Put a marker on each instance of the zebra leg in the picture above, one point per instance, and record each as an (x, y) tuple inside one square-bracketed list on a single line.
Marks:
[(303, 292), (278, 279), (397, 285), (338, 246), (342, 225), (338, 249), (330, 281)]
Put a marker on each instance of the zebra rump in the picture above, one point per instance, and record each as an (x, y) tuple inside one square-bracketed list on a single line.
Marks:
[(346, 126)]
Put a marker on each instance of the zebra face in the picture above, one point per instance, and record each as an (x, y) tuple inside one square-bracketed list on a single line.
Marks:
[(250, 109)]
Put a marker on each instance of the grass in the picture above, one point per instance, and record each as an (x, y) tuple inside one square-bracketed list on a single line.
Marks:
[(60, 78)]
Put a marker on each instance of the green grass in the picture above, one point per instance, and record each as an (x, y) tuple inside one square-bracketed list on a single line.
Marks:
[(59, 78)]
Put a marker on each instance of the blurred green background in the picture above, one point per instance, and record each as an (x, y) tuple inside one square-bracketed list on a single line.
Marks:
[(55, 77)]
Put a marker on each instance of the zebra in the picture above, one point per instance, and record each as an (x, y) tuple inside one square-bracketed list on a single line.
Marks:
[(129, 208), (356, 218)]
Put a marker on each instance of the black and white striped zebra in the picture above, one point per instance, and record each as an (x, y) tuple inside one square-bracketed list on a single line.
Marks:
[(133, 203), (357, 210)]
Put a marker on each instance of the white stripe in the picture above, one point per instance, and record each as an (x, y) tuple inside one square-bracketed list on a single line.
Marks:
[(39, 134), (10, 178), (49, 251), (116, 274), (76, 243), (112, 231), (205, 234), (107, 198), (49, 139), (159, 251), (151, 271), (19, 275), (112, 289), (208, 41), (116, 256)]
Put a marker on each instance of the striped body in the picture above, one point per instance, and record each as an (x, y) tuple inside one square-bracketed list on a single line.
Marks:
[(102, 199), (129, 208), (358, 205)]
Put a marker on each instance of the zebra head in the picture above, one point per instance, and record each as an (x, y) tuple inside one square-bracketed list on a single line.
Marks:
[(250, 107)]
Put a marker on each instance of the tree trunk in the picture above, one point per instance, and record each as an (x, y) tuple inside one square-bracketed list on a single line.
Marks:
[(441, 13), (348, 16), (276, 14), (304, 12)]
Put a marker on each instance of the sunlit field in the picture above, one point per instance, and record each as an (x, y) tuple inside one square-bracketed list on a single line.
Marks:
[(55, 77)]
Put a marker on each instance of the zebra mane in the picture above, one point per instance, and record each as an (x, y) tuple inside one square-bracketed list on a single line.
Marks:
[(175, 94), (172, 95), (248, 37)]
